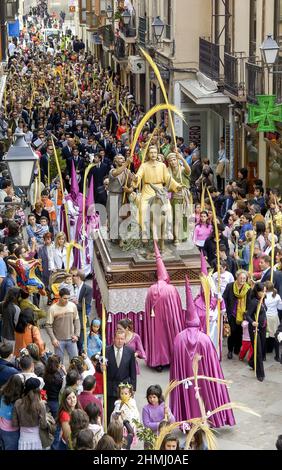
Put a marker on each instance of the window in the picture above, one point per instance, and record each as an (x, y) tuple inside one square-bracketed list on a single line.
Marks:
[(142, 8), (253, 30), (167, 18), (82, 11), (278, 25)]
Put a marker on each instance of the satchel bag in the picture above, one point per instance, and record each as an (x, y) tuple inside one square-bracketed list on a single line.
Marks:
[(220, 169), (47, 433), (226, 329)]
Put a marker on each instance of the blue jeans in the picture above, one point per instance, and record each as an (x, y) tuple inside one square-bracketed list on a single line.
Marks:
[(68, 346), (10, 439), (62, 446), (54, 406)]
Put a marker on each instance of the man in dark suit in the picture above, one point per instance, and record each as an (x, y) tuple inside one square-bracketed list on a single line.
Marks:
[(84, 293), (67, 150), (93, 146), (99, 172), (210, 245), (121, 368), (105, 142), (95, 129), (112, 121), (45, 162)]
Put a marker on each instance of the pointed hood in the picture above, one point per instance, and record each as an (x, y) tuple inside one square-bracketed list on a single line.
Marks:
[(90, 195), (192, 316), (161, 269), (204, 266), (74, 189)]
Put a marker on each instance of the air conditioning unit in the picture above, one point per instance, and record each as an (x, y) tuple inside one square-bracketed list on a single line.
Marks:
[(136, 64)]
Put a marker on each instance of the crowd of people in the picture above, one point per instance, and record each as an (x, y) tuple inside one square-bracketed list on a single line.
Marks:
[(73, 111)]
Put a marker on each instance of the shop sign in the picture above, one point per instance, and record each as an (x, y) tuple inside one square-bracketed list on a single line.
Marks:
[(266, 113)]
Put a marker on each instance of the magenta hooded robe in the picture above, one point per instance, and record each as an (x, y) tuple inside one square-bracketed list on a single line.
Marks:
[(189, 342), (164, 317)]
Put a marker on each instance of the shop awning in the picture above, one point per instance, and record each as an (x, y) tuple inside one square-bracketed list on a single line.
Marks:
[(201, 95)]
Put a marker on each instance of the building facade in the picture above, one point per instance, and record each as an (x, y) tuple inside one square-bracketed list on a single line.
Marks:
[(210, 60)]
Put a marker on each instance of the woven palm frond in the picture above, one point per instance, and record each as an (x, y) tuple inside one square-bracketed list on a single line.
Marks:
[(207, 296), (235, 406)]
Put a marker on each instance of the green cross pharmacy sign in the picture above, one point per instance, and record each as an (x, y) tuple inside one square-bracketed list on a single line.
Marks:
[(266, 113)]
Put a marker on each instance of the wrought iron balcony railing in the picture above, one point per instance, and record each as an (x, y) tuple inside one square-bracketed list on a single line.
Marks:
[(234, 75), (254, 81), (209, 59), (142, 31), (119, 50)]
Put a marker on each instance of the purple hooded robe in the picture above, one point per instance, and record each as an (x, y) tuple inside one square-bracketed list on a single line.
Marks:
[(164, 317), (189, 342)]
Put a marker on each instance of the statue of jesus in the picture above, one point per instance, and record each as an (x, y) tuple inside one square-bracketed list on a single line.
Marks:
[(154, 175)]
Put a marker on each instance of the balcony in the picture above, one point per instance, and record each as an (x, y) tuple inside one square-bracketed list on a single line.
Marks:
[(277, 82), (255, 81), (234, 76), (107, 36), (119, 51), (128, 34), (142, 31), (92, 21), (209, 59)]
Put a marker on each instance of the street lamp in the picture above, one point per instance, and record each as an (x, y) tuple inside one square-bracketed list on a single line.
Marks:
[(158, 27), (269, 49), (126, 17), (109, 12), (21, 161)]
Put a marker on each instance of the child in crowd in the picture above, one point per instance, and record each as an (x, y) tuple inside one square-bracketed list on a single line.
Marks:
[(155, 411), (126, 407), (246, 341), (197, 213), (98, 392), (273, 303), (44, 229), (95, 422), (127, 404), (94, 342), (170, 442), (67, 284), (83, 365)]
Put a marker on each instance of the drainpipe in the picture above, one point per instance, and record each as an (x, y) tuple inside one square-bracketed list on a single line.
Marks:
[(231, 143)]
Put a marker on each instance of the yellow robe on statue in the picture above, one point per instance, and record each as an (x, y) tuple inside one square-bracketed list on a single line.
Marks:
[(157, 174)]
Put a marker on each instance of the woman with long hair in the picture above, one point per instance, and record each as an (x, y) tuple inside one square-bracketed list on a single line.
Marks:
[(68, 403), (10, 311), (37, 358), (116, 431), (259, 326), (9, 394), (29, 414), (79, 421), (260, 231), (26, 332), (53, 378), (60, 252)]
